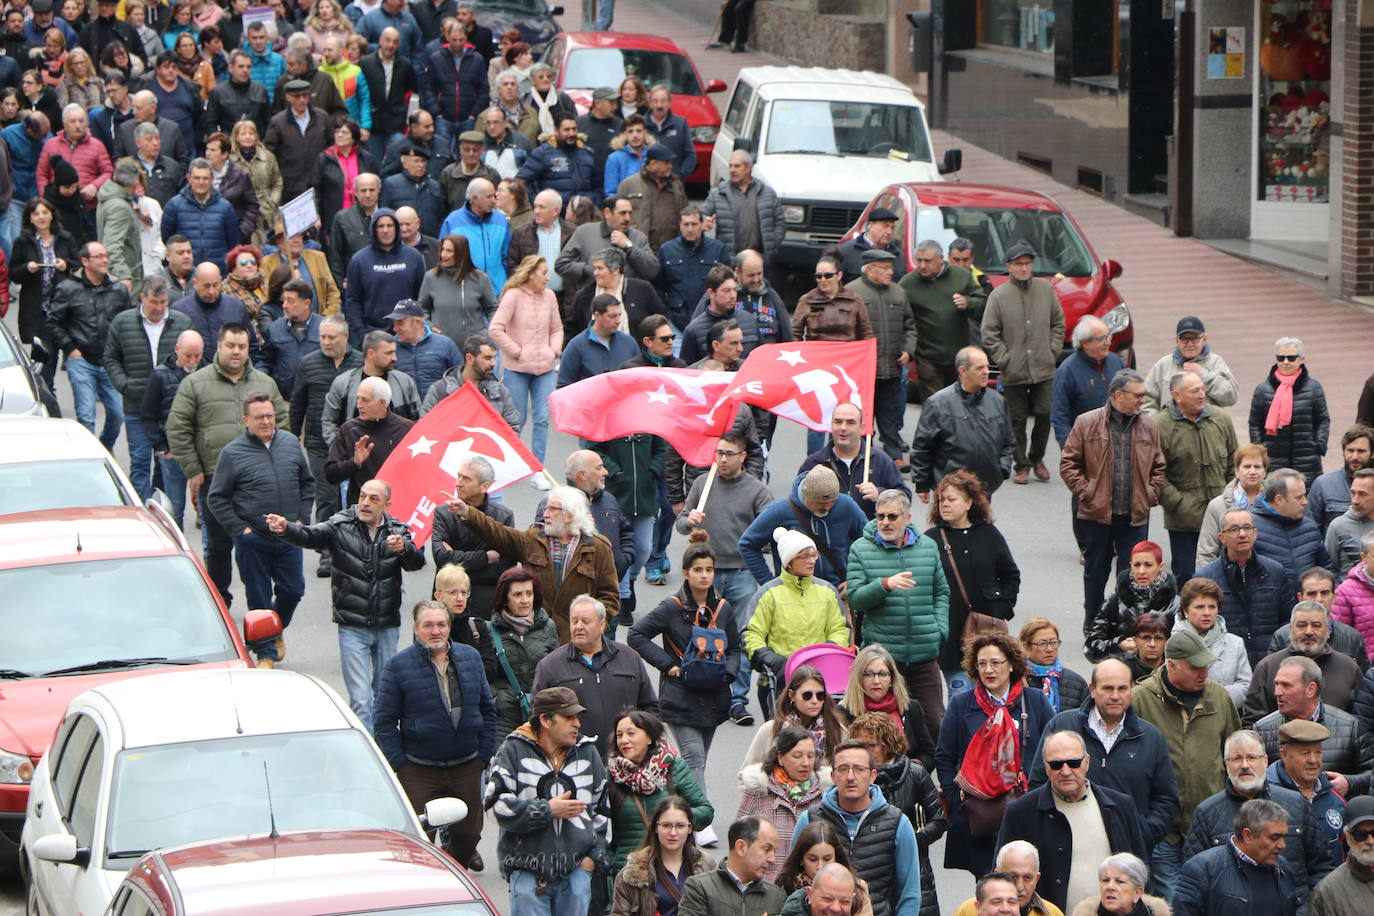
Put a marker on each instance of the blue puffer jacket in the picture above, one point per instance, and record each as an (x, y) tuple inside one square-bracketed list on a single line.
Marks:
[(267, 68), (682, 274), (24, 153), (488, 240), (378, 278), (427, 361), (1080, 385), (454, 89), (410, 721), (567, 171), (1255, 602), (1217, 882), (833, 534), (1296, 544), (212, 227), (282, 352), (401, 190)]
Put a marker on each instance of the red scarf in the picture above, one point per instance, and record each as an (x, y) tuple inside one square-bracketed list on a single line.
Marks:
[(1281, 408), (889, 706), (992, 760)]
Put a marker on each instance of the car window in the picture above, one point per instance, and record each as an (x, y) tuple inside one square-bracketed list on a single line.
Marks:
[(81, 734), (894, 203), (751, 128), (81, 819), (1059, 249), (8, 355), (554, 55), (32, 485), (197, 790), (593, 68), (143, 607), (816, 126), (739, 104), (132, 902), (519, 6)]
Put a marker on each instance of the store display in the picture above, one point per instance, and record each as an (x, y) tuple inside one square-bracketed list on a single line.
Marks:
[(1294, 84)]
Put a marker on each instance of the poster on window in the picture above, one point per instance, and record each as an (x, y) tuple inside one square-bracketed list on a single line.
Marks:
[(1226, 53)]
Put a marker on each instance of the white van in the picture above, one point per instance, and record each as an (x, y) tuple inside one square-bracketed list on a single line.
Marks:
[(826, 141)]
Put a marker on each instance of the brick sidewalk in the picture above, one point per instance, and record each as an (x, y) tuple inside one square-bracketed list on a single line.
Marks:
[(1246, 306)]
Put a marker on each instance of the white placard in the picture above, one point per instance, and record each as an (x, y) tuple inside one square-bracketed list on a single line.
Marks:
[(299, 214)]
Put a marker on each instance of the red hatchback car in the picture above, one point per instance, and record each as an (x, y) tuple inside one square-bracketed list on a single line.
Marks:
[(93, 595), (586, 61), (300, 873), (994, 218)]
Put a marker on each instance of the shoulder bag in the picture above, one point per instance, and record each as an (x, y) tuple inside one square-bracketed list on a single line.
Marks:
[(975, 622)]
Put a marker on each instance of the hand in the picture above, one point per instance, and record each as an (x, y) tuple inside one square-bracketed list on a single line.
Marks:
[(1339, 783), (395, 543), (1191, 366), (677, 507), (587, 864), (247, 529), (564, 806), (195, 483), (1127, 644), (493, 557), (900, 582), (843, 589), (276, 523), (34, 267), (675, 671), (903, 359), (166, 454), (709, 223), (61, 263), (869, 491), (76, 354), (364, 134), (694, 518), (960, 302), (361, 450), (128, 284), (619, 239), (88, 192), (458, 507), (924, 497)]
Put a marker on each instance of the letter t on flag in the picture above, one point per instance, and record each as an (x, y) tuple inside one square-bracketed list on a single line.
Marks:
[(422, 468)]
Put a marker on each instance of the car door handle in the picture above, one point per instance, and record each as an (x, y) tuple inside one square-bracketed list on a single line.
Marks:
[(38, 810)]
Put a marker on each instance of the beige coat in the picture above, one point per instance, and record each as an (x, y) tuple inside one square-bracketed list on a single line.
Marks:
[(1088, 907)]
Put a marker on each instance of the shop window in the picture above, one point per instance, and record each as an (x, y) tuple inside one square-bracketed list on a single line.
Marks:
[(1027, 25), (1294, 100)]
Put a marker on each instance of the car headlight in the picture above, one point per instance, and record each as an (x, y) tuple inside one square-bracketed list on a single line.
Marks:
[(794, 213), (704, 134), (15, 769), (1117, 318)]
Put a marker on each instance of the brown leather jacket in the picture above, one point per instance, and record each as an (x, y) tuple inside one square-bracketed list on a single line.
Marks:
[(819, 317), (1086, 467)]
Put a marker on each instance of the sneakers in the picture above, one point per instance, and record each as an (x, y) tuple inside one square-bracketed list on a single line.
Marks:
[(707, 837), (655, 577), (541, 483), (740, 715)]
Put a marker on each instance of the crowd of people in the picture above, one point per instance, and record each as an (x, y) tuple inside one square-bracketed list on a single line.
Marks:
[(473, 228)]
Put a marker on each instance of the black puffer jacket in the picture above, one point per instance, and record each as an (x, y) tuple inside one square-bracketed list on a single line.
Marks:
[(1307, 854), (1301, 444), (672, 620), (314, 374), (1116, 620), (163, 383), (366, 584), (910, 788), (453, 542), (1349, 751), (252, 480), (80, 314)]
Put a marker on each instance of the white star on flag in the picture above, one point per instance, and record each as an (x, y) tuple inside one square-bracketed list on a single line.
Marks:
[(791, 357), (661, 396), (421, 446)]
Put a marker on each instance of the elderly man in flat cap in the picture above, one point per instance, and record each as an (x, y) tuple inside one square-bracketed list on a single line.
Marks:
[(879, 235), (895, 326)]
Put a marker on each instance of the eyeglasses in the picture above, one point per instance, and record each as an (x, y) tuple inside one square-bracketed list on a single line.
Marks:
[(846, 768), (1244, 758), (1100, 338), (826, 275), (1239, 529), (674, 827), (1360, 834), (1287, 357), (880, 675), (1072, 763), (725, 453), (887, 516), (809, 695), (990, 663), (259, 417), (1047, 644), (455, 591)]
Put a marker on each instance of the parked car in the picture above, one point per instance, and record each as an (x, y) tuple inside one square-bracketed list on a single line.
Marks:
[(91, 596), (534, 19), (587, 61), (300, 873), (994, 218), (826, 141), (169, 759), (22, 389), (49, 463)]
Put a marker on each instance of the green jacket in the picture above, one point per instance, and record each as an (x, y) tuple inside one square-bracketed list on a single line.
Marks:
[(793, 613), (117, 226), (912, 623), (634, 466), (715, 893), (892, 322), (627, 823), (129, 360), (207, 414), (1023, 330), (1197, 463), (1195, 739), (942, 329)]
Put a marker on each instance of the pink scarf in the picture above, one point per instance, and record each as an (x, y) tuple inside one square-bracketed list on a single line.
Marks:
[(1281, 408), (349, 165)]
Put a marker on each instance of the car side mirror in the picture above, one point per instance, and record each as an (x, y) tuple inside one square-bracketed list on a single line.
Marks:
[(1113, 269), (744, 144), (39, 352), (715, 86), (61, 847), (556, 11), (954, 161), (440, 812), (259, 625)]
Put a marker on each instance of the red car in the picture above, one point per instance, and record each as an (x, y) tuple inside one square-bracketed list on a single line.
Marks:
[(94, 595), (994, 218), (300, 873), (587, 61)]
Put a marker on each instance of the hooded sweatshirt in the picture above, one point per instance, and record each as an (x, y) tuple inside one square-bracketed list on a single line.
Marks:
[(380, 277)]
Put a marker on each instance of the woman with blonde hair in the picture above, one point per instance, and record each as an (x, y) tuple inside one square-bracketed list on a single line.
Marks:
[(1251, 464), (877, 685), (251, 154), (326, 20), (80, 84), (528, 329), (51, 59)]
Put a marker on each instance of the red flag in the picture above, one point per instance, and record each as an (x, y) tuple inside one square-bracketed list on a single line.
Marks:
[(803, 381), (671, 403), (422, 468)]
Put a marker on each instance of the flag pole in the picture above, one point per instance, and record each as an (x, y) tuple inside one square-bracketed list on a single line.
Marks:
[(868, 455), (706, 490), (550, 477)]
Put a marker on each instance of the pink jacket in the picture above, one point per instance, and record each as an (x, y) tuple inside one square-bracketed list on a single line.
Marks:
[(88, 157), (529, 330), (1354, 604)]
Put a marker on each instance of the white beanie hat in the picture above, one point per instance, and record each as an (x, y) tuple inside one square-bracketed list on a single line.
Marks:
[(790, 543)]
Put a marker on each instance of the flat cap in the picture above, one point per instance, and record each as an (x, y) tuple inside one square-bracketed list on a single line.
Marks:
[(296, 86), (1187, 645), (1019, 249), (877, 254), (658, 152), (882, 215), (41, 6), (472, 136), (605, 94), (1303, 731)]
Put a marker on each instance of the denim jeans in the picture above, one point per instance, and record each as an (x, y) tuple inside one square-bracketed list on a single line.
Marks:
[(377, 144), (694, 744), (644, 541), (534, 389), (1166, 860), (663, 531), (957, 681), (570, 895), (264, 562), (89, 382), (9, 226), (174, 485), (140, 457), (363, 653), (737, 586), (605, 12)]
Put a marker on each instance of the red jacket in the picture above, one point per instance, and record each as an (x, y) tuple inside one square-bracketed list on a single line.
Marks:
[(88, 157)]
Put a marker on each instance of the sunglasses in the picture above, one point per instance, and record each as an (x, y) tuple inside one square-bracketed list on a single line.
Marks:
[(809, 695), (665, 338), (1288, 357), (247, 262), (1361, 834), (826, 275), (1072, 763), (887, 516)]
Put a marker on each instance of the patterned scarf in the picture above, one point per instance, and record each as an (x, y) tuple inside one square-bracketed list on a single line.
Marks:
[(888, 704), (1049, 680), (645, 778), (816, 728), (794, 790), (992, 760)]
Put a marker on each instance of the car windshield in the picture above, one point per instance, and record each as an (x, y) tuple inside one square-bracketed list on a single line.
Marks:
[(8, 356), (73, 615), (538, 7), (198, 790), (1059, 249), (31, 485), (847, 129), (593, 68)]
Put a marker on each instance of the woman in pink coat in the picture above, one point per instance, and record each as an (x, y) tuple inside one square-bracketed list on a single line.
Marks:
[(1354, 602), (529, 331)]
